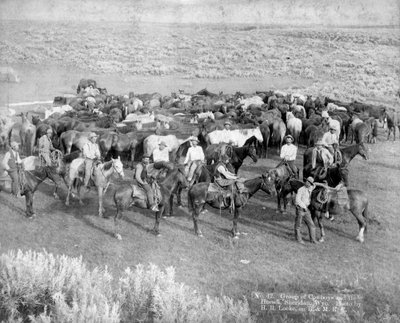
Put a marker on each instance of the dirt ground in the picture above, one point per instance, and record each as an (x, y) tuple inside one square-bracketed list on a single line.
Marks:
[(212, 265)]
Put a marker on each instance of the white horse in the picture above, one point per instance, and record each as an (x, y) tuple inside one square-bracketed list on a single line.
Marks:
[(151, 142), (101, 178), (294, 126), (236, 137), (60, 110)]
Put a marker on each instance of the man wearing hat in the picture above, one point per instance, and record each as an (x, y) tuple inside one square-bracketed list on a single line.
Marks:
[(46, 147), (194, 158), (161, 157), (332, 123), (323, 153), (12, 163), (303, 200), (288, 155), (142, 179), (91, 153)]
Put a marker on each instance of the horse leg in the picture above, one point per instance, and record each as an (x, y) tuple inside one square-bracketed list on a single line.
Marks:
[(178, 196), (117, 217), (195, 215), (156, 229), (278, 196), (68, 194), (101, 209), (318, 219), (29, 204), (362, 223), (171, 206), (235, 231)]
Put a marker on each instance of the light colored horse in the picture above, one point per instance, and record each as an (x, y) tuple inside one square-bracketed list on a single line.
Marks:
[(152, 142), (27, 134), (6, 124), (294, 126), (206, 115), (61, 110), (101, 177), (73, 138), (237, 137)]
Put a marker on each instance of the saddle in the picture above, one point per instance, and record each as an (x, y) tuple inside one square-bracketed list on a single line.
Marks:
[(139, 192)]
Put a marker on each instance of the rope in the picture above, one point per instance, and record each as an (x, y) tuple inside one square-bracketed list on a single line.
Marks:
[(323, 196)]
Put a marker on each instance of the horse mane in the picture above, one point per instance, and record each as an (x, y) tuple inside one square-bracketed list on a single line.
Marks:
[(107, 165)]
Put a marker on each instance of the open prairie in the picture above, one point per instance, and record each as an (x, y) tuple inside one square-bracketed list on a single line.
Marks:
[(342, 63)]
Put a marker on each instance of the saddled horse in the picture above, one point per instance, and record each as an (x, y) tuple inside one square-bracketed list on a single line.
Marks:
[(100, 176), (348, 153), (280, 176), (199, 196), (357, 204), (236, 154), (30, 180), (132, 195)]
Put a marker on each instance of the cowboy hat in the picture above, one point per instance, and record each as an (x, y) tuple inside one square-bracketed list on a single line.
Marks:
[(194, 139), (310, 180), (319, 143), (14, 144), (162, 143), (289, 137), (49, 130), (331, 128), (146, 156), (324, 114), (227, 122), (93, 135)]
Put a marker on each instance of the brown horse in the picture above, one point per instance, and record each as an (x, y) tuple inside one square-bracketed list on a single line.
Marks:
[(357, 205), (27, 135), (73, 138), (393, 121), (198, 196), (124, 197), (348, 153)]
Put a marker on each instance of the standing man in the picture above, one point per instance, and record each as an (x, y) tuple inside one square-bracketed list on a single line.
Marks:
[(161, 157), (46, 147), (303, 200), (288, 155), (141, 177), (12, 163), (194, 158), (91, 153)]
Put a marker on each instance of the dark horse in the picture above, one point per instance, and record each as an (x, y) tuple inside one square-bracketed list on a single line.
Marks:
[(30, 181), (203, 174), (348, 153), (236, 154), (198, 196), (357, 204), (280, 176), (124, 197)]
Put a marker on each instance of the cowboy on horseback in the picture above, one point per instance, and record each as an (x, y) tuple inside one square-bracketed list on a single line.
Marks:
[(194, 158), (12, 163), (288, 155), (91, 153), (161, 157), (144, 181), (46, 147)]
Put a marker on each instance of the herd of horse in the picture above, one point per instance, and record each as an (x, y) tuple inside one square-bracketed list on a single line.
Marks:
[(256, 127)]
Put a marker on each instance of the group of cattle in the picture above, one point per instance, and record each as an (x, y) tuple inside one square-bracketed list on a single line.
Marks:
[(120, 121)]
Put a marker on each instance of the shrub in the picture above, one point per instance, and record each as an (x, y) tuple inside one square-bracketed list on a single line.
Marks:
[(40, 287)]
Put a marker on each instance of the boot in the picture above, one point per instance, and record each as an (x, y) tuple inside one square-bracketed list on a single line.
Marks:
[(154, 207), (298, 236)]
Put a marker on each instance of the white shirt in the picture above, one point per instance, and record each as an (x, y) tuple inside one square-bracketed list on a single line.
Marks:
[(7, 157), (303, 197), (289, 152), (160, 155), (228, 175), (91, 150), (194, 153), (329, 138)]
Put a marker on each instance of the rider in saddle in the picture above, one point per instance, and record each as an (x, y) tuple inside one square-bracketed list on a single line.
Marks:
[(91, 153), (12, 163), (144, 181), (46, 147), (331, 142), (226, 135), (288, 155), (194, 158), (323, 154)]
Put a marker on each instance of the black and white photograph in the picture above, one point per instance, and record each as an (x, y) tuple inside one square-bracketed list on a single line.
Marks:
[(200, 161)]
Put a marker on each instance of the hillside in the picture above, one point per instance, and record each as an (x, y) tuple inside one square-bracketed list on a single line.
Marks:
[(287, 12)]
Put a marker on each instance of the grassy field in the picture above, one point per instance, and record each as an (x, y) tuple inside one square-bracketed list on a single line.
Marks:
[(342, 63), (345, 63)]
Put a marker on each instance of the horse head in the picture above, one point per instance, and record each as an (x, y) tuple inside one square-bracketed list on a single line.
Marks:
[(118, 166), (268, 184), (253, 153), (363, 151)]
